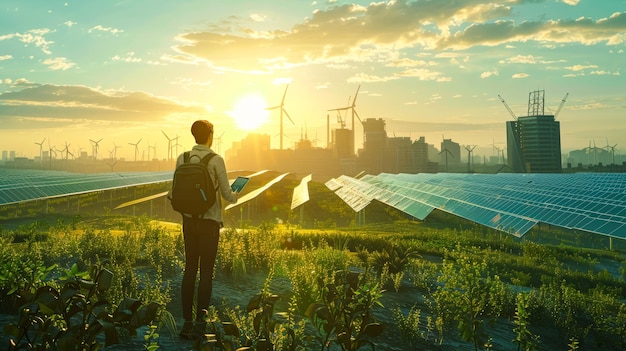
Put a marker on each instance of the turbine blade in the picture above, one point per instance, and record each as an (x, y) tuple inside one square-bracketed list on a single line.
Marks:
[(357, 115), (285, 111), (355, 95), (284, 94), (341, 108)]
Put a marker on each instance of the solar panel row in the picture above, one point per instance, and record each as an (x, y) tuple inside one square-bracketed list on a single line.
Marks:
[(18, 185), (513, 203)]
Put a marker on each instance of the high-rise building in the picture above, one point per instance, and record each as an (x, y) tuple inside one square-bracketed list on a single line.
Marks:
[(422, 153), (5, 154), (374, 144), (534, 141), (450, 153)]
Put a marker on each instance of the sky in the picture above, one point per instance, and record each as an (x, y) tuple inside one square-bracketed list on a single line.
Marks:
[(123, 72)]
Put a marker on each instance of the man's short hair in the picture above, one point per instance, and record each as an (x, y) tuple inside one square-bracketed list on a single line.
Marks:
[(201, 131)]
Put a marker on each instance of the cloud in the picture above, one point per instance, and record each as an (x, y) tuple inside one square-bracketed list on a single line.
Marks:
[(59, 63), (69, 23), (353, 33), (489, 74), (520, 75), (128, 57), (576, 68), (100, 28), (571, 2), (424, 74), (35, 37), (6, 57), (69, 104)]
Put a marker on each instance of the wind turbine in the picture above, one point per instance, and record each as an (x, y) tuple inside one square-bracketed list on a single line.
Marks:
[(41, 150), (612, 150), (352, 108), (169, 146), (136, 145), (176, 145), (469, 149), (112, 164), (94, 147), (282, 111), (51, 150), (445, 151), (153, 147), (114, 151), (218, 142), (67, 151)]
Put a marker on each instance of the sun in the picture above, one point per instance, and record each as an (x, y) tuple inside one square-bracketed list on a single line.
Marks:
[(249, 112)]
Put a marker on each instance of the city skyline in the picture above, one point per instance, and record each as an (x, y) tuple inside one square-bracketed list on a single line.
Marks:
[(127, 71)]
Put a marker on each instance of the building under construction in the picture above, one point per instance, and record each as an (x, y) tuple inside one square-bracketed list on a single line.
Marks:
[(534, 141)]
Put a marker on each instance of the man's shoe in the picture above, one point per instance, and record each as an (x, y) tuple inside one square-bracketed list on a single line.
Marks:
[(188, 331)]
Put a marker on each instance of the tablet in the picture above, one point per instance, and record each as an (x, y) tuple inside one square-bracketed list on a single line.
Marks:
[(239, 183)]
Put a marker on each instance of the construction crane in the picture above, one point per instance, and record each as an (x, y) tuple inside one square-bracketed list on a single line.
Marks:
[(561, 105), (508, 108)]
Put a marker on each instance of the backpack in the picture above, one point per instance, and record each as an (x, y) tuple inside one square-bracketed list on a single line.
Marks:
[(193, 190)]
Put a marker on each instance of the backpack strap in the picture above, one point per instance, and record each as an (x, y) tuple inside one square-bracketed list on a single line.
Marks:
[(205, 160), (186, 156)]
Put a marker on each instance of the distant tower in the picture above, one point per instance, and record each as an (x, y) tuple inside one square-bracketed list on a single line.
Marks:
[(374, 144), (534, 141), (453, 152)]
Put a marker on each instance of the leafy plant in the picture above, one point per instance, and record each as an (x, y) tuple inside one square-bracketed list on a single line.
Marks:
[(72, 317), (409, 324), (524, 337), (344, 314)]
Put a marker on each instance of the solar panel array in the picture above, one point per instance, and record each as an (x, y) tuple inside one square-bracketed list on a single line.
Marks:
[(509, 202), (18, 185)]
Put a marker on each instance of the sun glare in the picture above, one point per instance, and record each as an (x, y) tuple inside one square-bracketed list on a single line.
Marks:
[(249, 112)]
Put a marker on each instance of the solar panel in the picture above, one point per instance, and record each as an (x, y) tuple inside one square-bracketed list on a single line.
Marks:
[(18, 185), (256, 192), (511, 202), (301, 192)]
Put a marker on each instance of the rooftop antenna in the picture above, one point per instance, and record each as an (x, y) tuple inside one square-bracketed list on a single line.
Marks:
[(94, 147), (536, 103), (169, 146), (282, 111), (136, 145), (508, 108), (469, 149), (41, 150), (352, 108)]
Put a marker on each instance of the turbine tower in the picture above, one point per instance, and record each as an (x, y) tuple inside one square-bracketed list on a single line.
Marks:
[(94, 147), (352, 108), (169, 146), (469, 149), (282, 111), (136, 145), (41, 150)]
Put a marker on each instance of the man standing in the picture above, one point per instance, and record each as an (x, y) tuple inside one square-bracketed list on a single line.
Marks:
[(201, 235)]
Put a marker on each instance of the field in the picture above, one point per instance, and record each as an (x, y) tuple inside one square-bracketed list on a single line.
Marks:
[(396, 285)]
